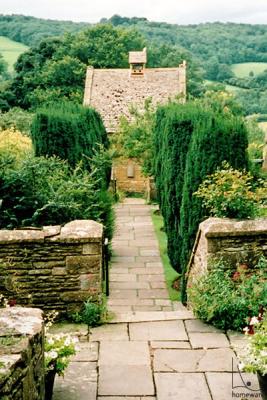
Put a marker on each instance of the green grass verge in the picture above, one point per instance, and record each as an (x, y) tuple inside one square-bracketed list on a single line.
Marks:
[(11, 50), (169, 272), (242, 70)]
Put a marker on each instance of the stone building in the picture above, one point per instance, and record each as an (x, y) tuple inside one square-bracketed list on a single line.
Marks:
[(112, 91)]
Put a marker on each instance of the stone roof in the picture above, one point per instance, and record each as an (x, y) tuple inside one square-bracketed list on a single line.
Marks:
[(112, 91)]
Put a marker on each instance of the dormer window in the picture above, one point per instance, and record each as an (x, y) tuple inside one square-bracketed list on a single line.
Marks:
[(137, 61)]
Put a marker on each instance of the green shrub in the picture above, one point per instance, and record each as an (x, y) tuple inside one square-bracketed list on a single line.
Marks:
[(226, 299), (229, 193), (46, 191), (16, 118), (92, 314)]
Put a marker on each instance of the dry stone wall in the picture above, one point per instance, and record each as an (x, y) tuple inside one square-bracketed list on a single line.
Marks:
[(21, 354), (52, 268), (235, 241)]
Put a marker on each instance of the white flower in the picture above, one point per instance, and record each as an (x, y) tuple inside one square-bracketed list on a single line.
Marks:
[(254, 321), (53, 354), (50, 340)]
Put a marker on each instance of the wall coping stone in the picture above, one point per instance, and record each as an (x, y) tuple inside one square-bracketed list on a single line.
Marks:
[(219, 227), (20, 321), (75, 231)]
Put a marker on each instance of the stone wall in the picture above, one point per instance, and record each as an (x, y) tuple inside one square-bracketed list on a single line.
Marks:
[(52, 268), (21, 354), (235, 241), (137, 183)]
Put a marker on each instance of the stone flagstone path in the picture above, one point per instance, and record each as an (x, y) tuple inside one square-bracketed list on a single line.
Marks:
[(153, 349)]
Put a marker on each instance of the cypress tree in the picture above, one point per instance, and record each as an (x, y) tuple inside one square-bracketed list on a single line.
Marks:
[(172, 134), (69, 131), (218, 137)]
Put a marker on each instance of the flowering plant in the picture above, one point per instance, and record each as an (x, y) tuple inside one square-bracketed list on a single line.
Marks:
[(58, 347), (255, 357)]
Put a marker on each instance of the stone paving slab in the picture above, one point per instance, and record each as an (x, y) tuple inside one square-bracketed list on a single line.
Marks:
[(163, 344), (122, 277), (147, 308), (196, 325), (183, 314), (217, 360), (158, 330), (110, 332), (153, 294), (86, 352), (228, 386), (237, 340), (124, 293), (181, 387), (129, 285), (78, 383), (124, 354), (208, 340), (125, 251), (133, 380), (130, 302)]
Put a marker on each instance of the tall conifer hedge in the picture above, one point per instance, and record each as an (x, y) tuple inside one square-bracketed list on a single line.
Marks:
[(69, 131), (190, 142), (172, 134)]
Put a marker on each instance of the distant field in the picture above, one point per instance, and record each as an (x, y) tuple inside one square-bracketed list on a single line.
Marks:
[(242, 70), (11, 50), (263, 126), (230, 88)]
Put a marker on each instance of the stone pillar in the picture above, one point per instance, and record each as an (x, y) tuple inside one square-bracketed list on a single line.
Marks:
[(232, 240), (22, 370), (88, 86), (182, 79)]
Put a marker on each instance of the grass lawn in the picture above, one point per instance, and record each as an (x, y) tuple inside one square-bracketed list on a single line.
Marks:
[(10, 50), (170, 273), (242, 70)]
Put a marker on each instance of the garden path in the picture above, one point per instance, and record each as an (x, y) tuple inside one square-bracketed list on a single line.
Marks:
[(152, 349)]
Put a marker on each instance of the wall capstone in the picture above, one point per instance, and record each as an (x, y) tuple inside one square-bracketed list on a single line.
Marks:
[(21, 354)]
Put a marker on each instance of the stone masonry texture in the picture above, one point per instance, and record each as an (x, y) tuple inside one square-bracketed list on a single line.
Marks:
[(112, 91), (21, 354), (54, 268), (235, 241)]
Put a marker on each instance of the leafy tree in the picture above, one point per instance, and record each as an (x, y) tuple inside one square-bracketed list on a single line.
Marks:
[(3, 68), (134, 137)]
